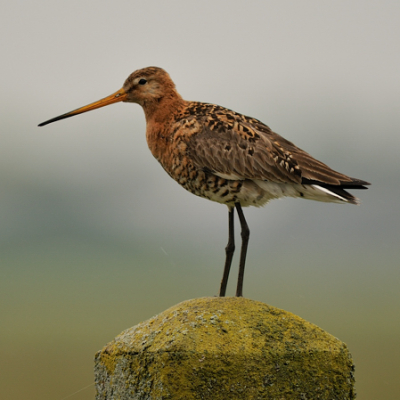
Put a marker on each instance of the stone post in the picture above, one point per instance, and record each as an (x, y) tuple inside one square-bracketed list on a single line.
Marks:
[(224, 348)]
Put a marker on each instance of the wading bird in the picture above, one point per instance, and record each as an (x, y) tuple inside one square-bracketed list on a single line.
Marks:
[(224, 156)]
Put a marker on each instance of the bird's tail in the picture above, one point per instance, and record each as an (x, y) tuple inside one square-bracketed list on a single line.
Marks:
[(335, 193)]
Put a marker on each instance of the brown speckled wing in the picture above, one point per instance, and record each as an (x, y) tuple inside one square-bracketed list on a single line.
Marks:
[(236, 146)]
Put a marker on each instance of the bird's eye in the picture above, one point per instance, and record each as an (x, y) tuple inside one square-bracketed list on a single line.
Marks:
[(142, 81)]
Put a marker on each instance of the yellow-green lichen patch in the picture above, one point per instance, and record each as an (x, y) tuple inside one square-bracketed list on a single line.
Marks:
[(235, 347)]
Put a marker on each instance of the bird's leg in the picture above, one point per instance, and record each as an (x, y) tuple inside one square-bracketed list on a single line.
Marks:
[(245, 240), (229, 249)]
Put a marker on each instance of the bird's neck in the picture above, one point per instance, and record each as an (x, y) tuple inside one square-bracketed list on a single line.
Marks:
[(162, 109), (160, 117)]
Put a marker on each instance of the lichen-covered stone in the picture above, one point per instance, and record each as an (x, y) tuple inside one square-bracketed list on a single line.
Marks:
[(224, 348)]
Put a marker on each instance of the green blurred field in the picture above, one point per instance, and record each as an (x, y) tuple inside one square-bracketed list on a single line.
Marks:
[(62, 300)]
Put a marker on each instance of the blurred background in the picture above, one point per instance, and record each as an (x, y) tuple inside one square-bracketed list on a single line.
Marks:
[(95, 237)]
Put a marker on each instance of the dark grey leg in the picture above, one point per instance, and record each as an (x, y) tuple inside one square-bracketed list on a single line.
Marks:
[(229, 249), (245, 241)]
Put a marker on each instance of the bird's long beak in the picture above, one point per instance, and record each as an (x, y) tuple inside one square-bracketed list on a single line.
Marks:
[(113, 98)]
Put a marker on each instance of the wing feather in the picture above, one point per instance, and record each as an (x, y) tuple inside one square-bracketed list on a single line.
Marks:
[(230, 144), (228, 151)]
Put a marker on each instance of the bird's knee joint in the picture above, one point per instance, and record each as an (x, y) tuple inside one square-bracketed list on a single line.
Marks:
[(230, 248), (245, 234)]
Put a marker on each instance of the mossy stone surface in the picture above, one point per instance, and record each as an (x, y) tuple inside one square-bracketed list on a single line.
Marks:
[(224, 348)]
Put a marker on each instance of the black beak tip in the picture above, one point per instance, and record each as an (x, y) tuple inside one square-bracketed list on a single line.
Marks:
[(63, 116)]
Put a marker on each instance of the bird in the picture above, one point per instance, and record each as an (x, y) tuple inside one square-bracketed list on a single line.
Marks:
[(224, 156)]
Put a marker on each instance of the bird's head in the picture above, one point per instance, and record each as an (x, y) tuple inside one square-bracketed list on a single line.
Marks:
[(148, 85)]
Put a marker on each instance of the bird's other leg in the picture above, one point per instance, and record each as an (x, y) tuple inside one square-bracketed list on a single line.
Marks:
[(245, 241), (229, 249)]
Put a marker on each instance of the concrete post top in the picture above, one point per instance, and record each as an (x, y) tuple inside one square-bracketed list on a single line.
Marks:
[(234, 325)]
